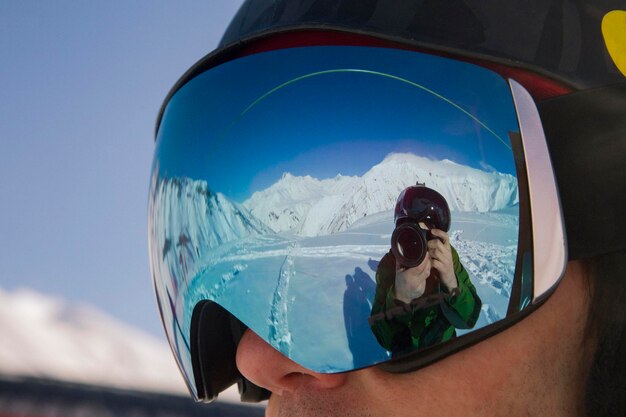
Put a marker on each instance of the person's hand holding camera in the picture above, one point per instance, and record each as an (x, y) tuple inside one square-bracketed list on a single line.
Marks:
[(440, 254), (411, 282)]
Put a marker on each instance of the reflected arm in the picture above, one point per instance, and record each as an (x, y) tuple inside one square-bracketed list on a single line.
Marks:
[(462, 307)]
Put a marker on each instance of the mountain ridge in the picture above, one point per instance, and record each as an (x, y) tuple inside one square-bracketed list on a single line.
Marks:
[(308, 206)]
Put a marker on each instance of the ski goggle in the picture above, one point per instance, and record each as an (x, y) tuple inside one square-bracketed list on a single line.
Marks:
[(272, 198)]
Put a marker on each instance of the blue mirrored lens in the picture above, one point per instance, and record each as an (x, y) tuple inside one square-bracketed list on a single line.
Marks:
[(273, 191)]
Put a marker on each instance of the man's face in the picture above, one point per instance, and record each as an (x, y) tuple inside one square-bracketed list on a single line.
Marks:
[(536, 367)]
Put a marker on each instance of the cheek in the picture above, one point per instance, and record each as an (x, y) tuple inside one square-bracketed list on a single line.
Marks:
[(476, 381), (489, 377), (482, 371)]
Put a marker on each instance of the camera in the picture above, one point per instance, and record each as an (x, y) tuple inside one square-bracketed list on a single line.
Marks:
[(415, 204), (409, 244)]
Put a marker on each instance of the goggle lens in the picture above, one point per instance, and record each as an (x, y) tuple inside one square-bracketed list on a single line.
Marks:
[(273, 192)]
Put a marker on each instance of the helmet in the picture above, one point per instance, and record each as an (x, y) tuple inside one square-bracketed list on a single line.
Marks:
[(420, 203), (557, 51)]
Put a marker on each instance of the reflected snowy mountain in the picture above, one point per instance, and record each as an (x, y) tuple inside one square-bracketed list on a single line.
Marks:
[(211, 219), (313, 207)]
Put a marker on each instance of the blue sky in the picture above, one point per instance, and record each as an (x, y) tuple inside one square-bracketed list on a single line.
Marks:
[(82, 83), (332, 119)]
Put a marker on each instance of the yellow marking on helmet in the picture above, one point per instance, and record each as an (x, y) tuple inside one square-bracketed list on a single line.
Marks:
[(614, 32)]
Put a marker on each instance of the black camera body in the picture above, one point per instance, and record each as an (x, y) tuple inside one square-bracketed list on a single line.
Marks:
[(409, 244), (417, 204)]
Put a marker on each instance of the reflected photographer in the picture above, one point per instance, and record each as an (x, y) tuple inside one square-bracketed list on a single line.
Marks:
[(423, 292)]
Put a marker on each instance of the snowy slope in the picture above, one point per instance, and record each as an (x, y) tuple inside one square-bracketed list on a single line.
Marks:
[(304, 235), (312, 207), (285, 205), (45, 337), (187, 219), (211, 218), (276, 275)]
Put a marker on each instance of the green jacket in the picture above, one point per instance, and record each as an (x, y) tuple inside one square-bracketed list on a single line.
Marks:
[(426, 321)]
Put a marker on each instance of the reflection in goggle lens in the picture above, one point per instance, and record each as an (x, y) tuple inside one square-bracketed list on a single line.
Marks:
[(281, 212)]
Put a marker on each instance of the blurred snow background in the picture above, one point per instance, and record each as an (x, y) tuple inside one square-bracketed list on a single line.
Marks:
[(82, 84)]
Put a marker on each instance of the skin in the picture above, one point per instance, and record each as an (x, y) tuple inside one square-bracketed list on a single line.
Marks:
[(537, 367), (411, 282)]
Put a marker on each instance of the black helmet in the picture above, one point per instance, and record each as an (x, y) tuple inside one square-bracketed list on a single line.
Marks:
[(420, 203), (560, 40)]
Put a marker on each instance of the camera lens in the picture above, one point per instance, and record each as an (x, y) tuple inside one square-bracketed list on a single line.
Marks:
[(408, 244)]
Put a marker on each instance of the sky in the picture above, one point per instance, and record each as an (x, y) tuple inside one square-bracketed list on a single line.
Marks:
[(332, 110), (81, 85)]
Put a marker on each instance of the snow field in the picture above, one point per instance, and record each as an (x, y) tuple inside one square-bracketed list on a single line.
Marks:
[(297, 262), (317, 292)]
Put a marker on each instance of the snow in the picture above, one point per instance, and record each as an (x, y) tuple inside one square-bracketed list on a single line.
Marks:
[(313, 207), (296, 262), (285, 205), (316, 292), (280, 335), (44, 336)]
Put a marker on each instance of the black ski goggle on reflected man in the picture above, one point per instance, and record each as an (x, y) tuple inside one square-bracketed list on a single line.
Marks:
[(272, 198)]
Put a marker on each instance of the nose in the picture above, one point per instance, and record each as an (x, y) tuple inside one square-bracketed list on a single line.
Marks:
[(268, 368)]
